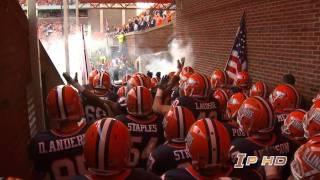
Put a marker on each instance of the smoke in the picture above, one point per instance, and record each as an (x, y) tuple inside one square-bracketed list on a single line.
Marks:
[(160, 65), (56, 51), (178, 49), (166, 62)]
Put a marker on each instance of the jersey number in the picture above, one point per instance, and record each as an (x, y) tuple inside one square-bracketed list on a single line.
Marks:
[(66, 168), (136, 155), (94, 113)]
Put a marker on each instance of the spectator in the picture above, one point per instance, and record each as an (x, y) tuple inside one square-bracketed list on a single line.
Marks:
[(143, 24), (289, 79), (159, 20), (152, 22)]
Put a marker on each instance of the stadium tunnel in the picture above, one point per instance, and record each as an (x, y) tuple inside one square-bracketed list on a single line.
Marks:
[(282, 37)]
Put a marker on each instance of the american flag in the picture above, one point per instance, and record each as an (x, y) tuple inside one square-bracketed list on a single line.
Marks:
[(237, 61)]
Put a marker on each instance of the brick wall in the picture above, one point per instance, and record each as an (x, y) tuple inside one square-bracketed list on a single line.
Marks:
[(283, 36), (149, 41), (15, 75)]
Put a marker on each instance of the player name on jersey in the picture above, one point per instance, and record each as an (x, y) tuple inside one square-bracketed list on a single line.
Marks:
[(142, 127), (237, 132), (283, 148), (181, 154), (60, 144), (202, 106)]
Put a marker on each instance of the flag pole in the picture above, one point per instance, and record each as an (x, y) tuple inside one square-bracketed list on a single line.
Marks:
[(85, 53), (225, 67)]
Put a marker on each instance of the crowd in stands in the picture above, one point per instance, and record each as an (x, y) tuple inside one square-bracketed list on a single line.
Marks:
[(48, 2), (145, 20)]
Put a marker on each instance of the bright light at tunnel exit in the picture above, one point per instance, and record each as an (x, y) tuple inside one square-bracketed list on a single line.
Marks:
[(142, 7), (55, 49)]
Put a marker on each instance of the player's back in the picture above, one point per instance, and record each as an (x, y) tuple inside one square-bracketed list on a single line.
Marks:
[(234, 131), (146, 135), (200, 107), (93, 109), (276, 145), (168, 156), (60, 155)]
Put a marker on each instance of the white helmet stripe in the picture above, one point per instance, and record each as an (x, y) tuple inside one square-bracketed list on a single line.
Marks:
[(206, 83), (60, 102), (102, 143), (212, 136), (265, 90), (140, 80), (225, 94), (181, 122), (139, 99), (100, 79)]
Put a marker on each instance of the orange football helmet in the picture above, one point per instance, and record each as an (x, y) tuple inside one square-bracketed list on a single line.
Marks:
[(64, 104), (177, 122), (293, 125), (139, 79), (284, 98), (311, 121), (222, 97), (197, 85), (242, 79), (186, 72), (209, 143), (259, 88), (92, 75), (139, 101), (305, 164), (102, 151), (125, 79), (256, 116), (219, 78), (122, 91), (102, 81), (234, 104)]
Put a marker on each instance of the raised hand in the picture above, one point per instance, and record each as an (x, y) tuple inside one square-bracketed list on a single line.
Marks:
[(180, 64), (163, 82)]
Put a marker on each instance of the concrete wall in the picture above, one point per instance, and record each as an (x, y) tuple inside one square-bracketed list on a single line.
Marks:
[(283, 36), (113, 16), (149, 41)]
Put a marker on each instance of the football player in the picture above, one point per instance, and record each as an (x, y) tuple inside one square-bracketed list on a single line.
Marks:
[(306, 161), (311, 121), (256, 118), (102, 87), (106, 152), (172, 153), (233, 104), (284, 99), (197, 98), (242, 82), (292, 126), (219, 79), (259, 88), (144, 125), (208, 143), (59, 152)]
